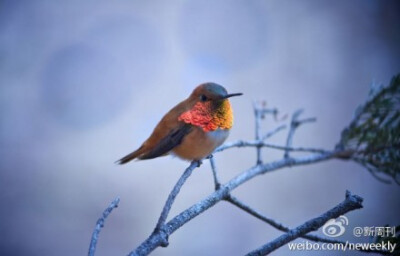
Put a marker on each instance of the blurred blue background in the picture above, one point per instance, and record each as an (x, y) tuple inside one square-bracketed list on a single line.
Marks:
[(84, 82)]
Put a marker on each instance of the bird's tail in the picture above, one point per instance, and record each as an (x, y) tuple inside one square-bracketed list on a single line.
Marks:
[(130, 156)]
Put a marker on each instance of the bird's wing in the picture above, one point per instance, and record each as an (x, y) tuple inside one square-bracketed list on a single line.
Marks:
[(166, 144)]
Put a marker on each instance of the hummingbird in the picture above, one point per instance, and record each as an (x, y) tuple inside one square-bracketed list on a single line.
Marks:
[(192, 129)]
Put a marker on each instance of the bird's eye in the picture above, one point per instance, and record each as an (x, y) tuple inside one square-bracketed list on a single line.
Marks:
[(203, 97)]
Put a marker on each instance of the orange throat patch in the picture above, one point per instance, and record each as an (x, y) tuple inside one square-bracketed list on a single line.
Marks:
[(209, 117)]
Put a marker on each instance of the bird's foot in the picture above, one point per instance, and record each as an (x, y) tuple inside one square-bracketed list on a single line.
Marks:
[(199, 162)]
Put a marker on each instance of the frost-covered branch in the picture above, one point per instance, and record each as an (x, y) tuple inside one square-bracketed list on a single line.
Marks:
[(217, 183), (171, 199), (273, 132), (243, 143), (157, 239), (294, 124), (240, 204), (352, 202), (260, 111), (100, 224)]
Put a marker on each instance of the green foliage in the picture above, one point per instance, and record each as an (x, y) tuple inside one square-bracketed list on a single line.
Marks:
[(374, 133)]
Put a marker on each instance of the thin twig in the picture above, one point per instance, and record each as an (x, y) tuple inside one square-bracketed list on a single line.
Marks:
[(263, 111), (100, 224), (273, 223), (308, 120), (172, 196), (217, 183), (292, 128), (273, 132), (257, 115), (294, 124), (352, 202), (373, 172), (242, 143)]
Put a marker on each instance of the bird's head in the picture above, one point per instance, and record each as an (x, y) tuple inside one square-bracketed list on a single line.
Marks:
[(211, 92)]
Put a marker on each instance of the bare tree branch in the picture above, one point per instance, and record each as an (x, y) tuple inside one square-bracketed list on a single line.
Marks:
[(258, 117), (100, 224), (292, 128), (242, 143), (259, 112), (158, 238), (371, 170), (294, 124), (273, 223), (273, 132), (171, 199), (352, 202), (217, 183)]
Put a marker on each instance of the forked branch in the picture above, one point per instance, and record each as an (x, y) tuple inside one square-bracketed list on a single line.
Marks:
[(171, 198), (352, 202)]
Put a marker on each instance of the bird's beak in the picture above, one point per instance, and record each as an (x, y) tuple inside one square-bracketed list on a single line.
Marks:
[(232, 95)]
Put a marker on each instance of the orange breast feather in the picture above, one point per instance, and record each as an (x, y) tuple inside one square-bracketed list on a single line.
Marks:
[(209, 117)]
